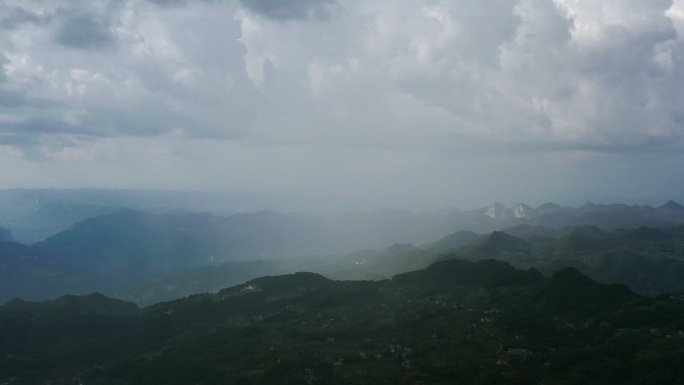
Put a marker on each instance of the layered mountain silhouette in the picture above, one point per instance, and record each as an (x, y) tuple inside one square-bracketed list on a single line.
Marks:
[(671, 206), (496, 324), (141, 255), (33, 274), (135, 244), (645, 259), (5, 235)]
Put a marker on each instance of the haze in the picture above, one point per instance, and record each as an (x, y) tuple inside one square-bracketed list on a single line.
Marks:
[(344, 103)]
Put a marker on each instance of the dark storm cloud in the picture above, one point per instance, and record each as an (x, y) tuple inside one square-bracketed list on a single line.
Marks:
[(17, 16), (377, 99), (85, 31), (289, 9)]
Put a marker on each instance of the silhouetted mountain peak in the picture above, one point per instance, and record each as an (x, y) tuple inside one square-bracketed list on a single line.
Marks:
[(526, 230), (487, 273), (499, 241), (92, 304), (453, 241), (548, 206), (288, 281), (503, 238), (672, 206), (14, 303), (568, 287), (5, 235), (588, 207)]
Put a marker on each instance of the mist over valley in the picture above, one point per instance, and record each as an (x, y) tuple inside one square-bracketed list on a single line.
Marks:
[(339, 192), (146, 255)]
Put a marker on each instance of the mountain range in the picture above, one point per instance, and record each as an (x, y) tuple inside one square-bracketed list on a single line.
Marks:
[(647, 260), (149, 257), (453, 322), (34, 215), (115, 296)]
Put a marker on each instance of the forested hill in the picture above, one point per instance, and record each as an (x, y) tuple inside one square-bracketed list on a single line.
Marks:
[(649, 260), (454, 322)]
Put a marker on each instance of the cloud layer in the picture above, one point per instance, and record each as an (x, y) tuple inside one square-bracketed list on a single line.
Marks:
[(409, 102)]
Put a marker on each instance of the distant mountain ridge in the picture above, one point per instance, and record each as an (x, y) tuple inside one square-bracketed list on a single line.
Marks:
[(53, 218), (126, 245), (93, 304), (135, 244), (33, 274), (36, 214), (606, 216), (672, 206), (5, 235), (648, 260)]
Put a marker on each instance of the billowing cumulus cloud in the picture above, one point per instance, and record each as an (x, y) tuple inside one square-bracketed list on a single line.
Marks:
[(418, 102)]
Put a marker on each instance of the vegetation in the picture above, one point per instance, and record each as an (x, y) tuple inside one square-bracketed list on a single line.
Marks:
[(650, 261), (454, 322)]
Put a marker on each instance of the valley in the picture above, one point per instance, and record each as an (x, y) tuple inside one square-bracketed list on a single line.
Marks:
[(137, 297), (454, 322)]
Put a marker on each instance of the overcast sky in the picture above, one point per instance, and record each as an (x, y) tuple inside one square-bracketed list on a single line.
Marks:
[(348, 103)]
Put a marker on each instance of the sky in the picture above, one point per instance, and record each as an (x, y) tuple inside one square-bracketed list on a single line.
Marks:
[(351, 104)]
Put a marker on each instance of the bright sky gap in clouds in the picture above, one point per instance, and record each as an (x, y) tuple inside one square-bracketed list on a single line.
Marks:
[(348, 103)]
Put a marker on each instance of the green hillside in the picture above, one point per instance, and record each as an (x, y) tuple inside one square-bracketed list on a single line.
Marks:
[(454, 322), (648, 260)]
